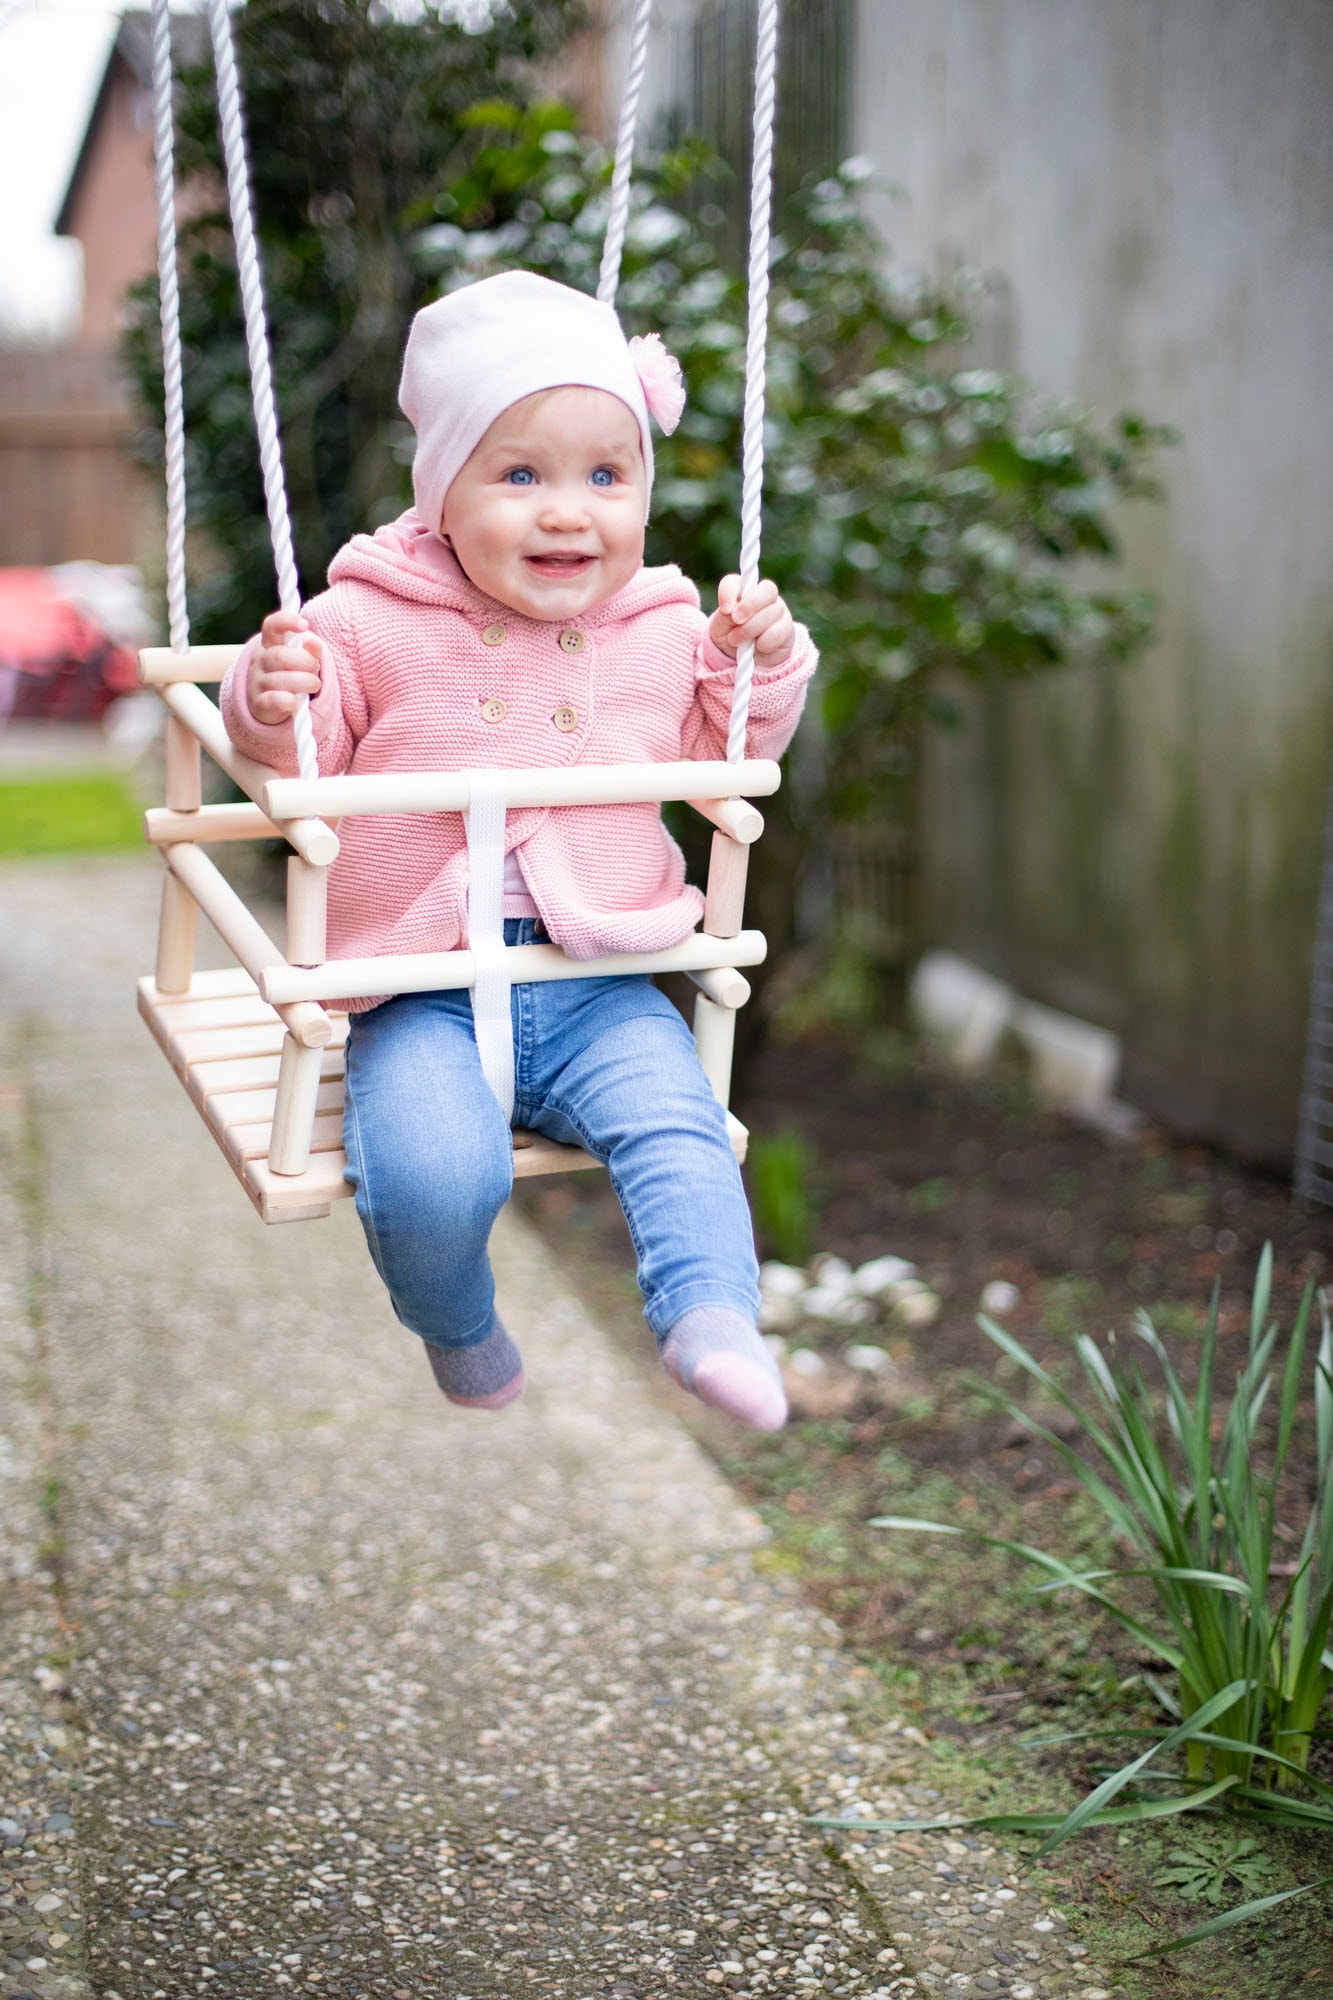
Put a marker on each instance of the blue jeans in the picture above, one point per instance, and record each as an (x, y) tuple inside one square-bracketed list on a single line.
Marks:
[(607, 1064)]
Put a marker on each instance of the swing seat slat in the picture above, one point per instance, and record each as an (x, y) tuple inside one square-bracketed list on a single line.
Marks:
[(230, 1069)]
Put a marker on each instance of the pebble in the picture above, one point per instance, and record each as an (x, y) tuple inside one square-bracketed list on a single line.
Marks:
[(867, 1359), (778, 1313), (918, 1309), (999, 1297), (805, 1361), (781, 1281), (835, 1272), (872, 1280)]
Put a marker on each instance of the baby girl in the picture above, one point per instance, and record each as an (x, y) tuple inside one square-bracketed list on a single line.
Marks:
[(508, 621)]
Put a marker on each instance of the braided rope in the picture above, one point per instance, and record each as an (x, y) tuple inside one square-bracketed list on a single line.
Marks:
[(752, 441), (257, 344), (178, 617), (618, 220)]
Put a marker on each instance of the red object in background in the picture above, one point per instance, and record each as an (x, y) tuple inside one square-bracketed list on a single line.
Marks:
[(56, 663)]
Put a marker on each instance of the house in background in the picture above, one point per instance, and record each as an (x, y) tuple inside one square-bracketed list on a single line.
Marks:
[(1152, 187), (68, 490), (110, 206)]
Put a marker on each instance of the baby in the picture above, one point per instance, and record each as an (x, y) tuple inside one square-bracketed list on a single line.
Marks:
[(508, 621)]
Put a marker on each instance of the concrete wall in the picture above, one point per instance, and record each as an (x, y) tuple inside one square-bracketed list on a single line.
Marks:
[(1153, 180)]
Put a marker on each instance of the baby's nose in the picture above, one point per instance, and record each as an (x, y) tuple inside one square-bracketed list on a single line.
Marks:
[(565, 506)]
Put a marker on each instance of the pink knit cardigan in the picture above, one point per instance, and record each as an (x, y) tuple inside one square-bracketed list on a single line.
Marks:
[(423, 672)]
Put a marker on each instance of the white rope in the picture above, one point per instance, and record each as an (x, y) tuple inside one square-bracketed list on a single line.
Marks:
[(256, 339), (752, 442), (178, 617), (618, 220)]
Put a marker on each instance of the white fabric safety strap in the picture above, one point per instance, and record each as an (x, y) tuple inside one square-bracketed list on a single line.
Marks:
[(485, 823)]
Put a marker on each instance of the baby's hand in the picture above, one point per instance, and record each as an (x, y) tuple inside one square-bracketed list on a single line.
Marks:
[(758, 614), (283, 668)]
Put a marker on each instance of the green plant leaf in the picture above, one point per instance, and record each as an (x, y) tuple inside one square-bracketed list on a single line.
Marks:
[(1229, 1919), (1097, 1799), (1037, 1822)]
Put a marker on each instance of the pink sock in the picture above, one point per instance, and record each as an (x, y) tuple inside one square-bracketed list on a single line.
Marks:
[(719, 1356)]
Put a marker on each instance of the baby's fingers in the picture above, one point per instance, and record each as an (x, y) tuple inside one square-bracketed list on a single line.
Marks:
[(278, 696), (279, 627)]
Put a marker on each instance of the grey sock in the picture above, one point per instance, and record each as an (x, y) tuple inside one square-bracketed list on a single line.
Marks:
[(720, 1356), (485, 1375)]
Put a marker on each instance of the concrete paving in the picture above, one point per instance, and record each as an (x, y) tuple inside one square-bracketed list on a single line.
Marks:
[(311, 1682)]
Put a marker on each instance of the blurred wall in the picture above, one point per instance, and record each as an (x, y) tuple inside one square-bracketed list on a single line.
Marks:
[(1153, 182)]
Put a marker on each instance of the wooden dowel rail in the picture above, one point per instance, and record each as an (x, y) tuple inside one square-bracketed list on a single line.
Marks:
[(184, 772), (307, 912), (177, 929), (574, 785), (435, 971), (247, 939), (162, 826), (160, 667), (724, 986), (714, 1041), (724, 903), (307, 833), (736, 817), (294, 1108)]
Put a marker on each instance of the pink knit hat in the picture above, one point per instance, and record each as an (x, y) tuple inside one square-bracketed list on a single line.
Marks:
[(479, 350)]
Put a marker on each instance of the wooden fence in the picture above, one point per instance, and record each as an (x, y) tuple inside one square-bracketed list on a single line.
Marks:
[(67, 486)]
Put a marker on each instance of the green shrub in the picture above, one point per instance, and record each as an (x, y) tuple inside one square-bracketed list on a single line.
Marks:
[(1192, 1492), (778, 1173)]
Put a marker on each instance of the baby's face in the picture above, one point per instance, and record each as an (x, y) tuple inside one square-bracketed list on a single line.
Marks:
[(548, 513)]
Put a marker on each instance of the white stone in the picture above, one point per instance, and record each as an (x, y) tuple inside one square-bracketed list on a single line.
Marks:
[(781, 1281), (822, 1301), (874, 1278), (918, 1309), (804, 1361), (776, 1345), (867, 1360), (835, 1272), (903, 1288), (851, 1312), (778, 1314), (999, 1296)]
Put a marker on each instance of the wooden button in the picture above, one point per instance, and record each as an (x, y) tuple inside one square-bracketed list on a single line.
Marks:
[(494, 635), (494, 710), (571, 641), (565, 717)]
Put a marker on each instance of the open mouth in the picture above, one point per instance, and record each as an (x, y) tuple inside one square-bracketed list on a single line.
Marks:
[(558, 565)]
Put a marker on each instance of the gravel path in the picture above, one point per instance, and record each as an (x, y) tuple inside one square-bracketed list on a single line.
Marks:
[(310, 1683)]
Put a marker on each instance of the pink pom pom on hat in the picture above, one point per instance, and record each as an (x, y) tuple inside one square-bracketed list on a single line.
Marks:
[(475, 352)]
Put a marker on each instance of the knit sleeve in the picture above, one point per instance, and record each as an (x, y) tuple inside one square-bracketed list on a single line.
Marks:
[(777, 696), (338, 711)]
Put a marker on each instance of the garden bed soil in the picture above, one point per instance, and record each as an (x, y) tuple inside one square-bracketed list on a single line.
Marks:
[(973, 1182)]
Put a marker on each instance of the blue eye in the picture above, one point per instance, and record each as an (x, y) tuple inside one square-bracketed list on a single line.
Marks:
[(522, 475), (603, 476)]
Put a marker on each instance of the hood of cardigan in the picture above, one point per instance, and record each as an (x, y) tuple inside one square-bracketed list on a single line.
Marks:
[(408, 559)]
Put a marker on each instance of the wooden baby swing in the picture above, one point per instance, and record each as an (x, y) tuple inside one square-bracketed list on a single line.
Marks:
[(258, 1053)]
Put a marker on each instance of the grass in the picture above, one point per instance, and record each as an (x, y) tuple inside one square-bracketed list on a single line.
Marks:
[(68, 812)]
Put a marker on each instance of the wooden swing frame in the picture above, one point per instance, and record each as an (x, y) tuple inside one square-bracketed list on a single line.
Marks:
[(259, 1052)]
